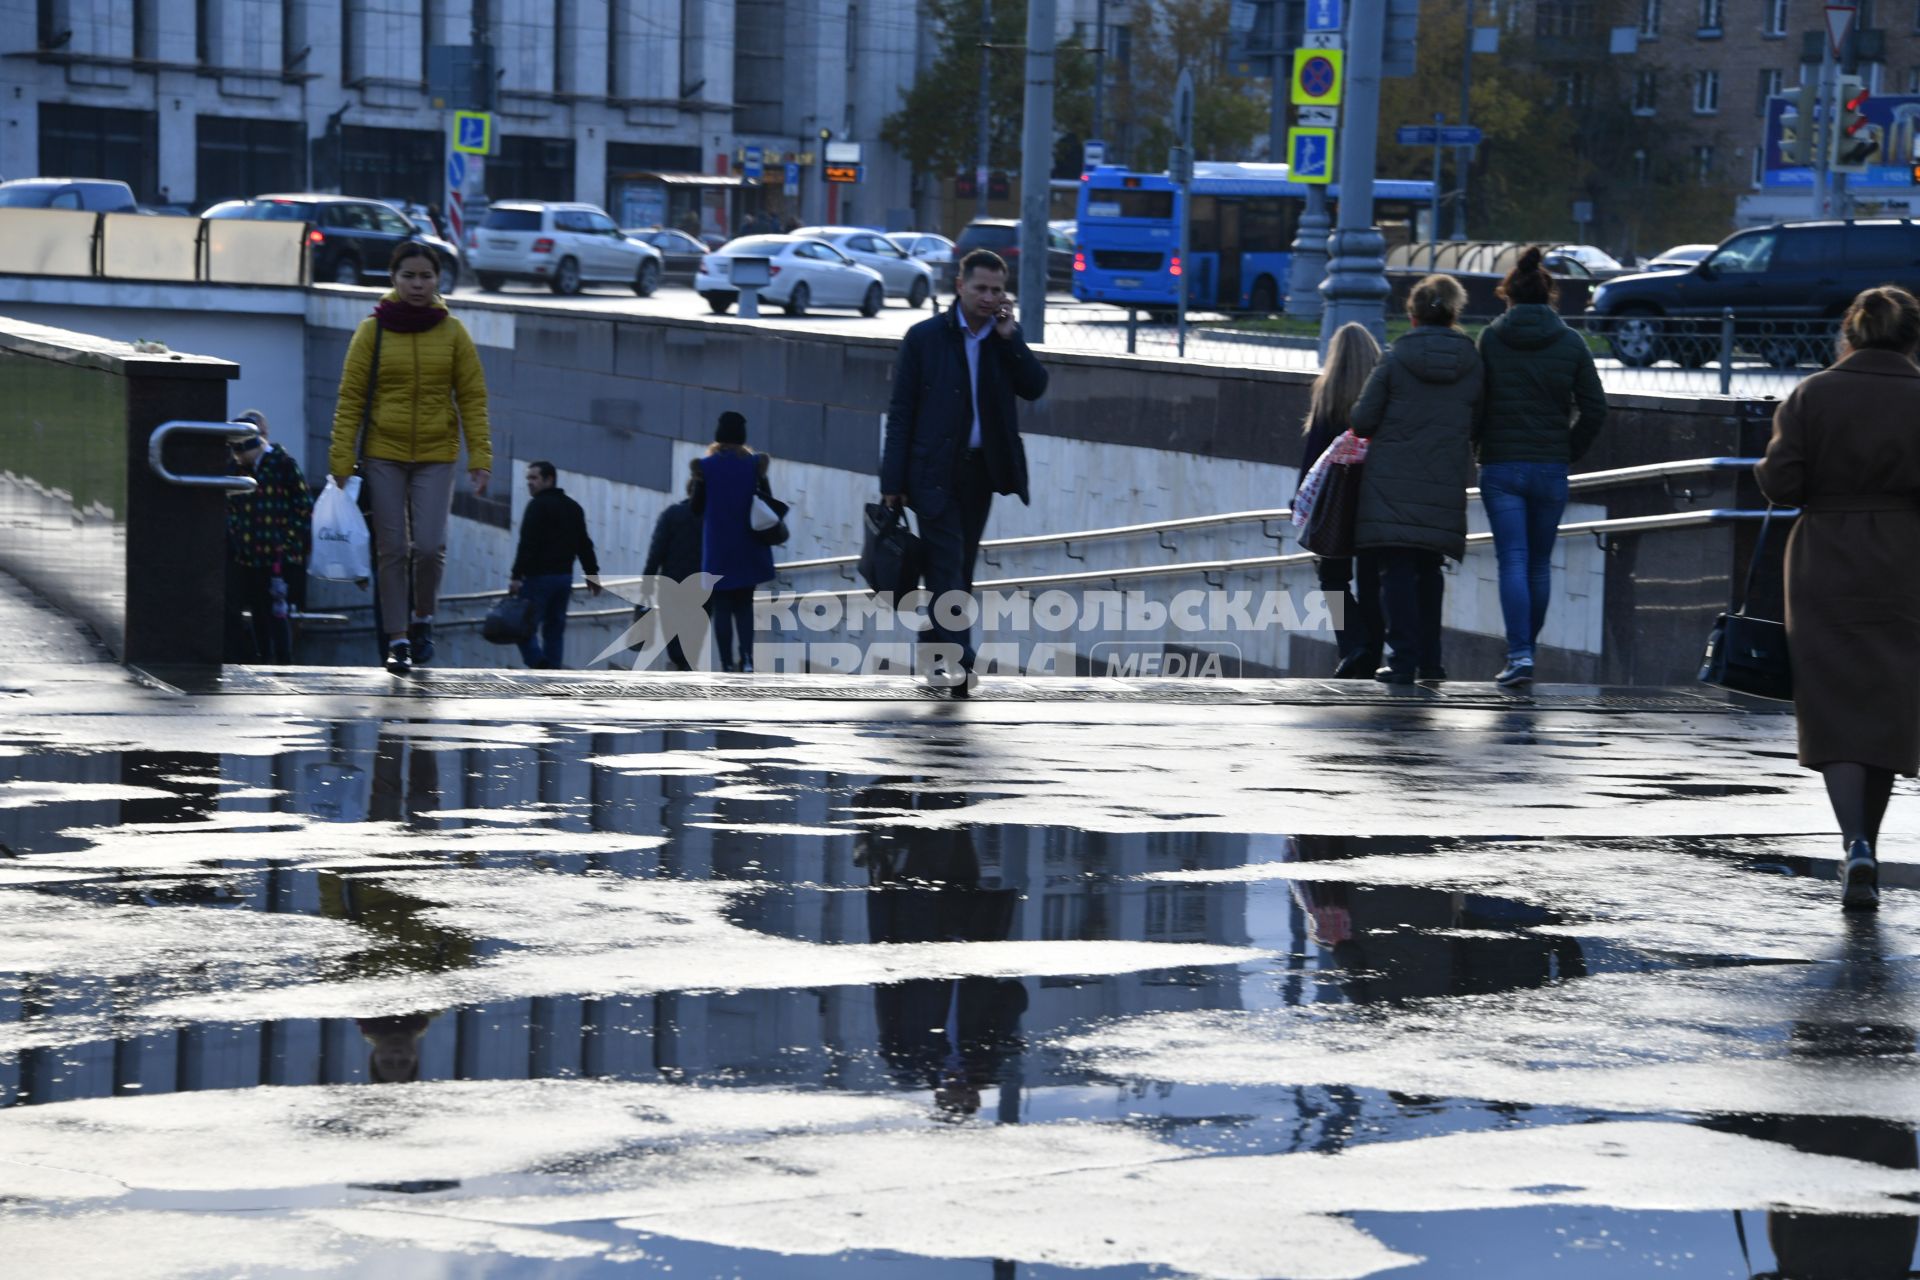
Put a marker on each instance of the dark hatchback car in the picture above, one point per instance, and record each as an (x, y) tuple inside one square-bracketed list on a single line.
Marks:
[(1002, 235), (351, 240), (1786, 285)]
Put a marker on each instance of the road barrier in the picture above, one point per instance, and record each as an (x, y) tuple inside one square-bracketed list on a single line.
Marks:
[(161, 250)]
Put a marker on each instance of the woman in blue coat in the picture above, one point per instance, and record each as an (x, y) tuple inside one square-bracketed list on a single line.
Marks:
[(724, 482)]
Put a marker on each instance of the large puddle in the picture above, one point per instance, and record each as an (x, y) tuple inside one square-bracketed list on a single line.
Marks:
[(428, 997)]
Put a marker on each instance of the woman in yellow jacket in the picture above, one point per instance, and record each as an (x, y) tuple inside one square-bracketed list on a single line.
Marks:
[(428, 392)]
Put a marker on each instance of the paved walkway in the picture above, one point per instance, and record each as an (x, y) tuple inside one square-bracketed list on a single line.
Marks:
[(562, 975), (32, 631)]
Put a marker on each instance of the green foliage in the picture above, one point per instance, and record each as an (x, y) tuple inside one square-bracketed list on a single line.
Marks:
[(1229, 112), (936, 127)]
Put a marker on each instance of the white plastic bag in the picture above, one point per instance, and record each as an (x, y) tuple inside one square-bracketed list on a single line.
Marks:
[(342, 550), (762, 516)]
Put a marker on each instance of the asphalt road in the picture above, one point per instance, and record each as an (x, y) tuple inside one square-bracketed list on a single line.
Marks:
[(1074, 326), (322, 972)]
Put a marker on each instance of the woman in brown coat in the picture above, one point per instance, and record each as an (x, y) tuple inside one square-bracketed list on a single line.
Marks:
[(1846, 450)]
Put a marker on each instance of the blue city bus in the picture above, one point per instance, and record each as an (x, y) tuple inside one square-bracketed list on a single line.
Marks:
[(1244, 220)]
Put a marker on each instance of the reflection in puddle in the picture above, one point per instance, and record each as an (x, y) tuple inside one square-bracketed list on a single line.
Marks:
[(733, 996)]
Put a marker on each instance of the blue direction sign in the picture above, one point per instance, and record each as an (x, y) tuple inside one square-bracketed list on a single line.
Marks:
[(1447, 135), (751, 164), (1324, 15), (1310, 155)]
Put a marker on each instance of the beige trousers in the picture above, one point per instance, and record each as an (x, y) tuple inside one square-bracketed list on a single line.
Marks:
[(411, 503)]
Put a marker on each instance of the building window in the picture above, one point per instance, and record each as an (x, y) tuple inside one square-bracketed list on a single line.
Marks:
[(1563, 19), (1706, 93), (1641, 168), (1759, 166), (1776, 17), (853, 38), (563, 39), (349, 31), (1769, 85), (1646, 92), (1574, 89), (1703, 164), (1913, 80), (1650, 19), (1712, 13), (1916, 15), (1863, 16), (1122, 37)]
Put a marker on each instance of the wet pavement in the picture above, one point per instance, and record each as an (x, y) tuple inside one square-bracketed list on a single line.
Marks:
[(573, 976)]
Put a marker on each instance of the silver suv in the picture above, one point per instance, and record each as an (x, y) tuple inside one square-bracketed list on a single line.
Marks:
[(563, 246)]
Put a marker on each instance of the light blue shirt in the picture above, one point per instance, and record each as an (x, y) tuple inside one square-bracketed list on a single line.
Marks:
[(973, 371)]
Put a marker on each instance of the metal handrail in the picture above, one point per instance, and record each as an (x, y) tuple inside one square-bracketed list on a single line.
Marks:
[(1618, 526), (156, 445), (1586, 481)]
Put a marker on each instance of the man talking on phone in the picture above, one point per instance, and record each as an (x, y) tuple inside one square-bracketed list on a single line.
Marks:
[(953, 440)]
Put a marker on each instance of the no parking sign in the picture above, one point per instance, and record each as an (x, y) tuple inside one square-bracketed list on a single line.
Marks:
[(1316, 77)]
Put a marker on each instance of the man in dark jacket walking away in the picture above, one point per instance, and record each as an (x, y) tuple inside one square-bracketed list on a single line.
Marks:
[(553, 534), (1544, 406), (953, 438), (1418, 411), (674, 553)]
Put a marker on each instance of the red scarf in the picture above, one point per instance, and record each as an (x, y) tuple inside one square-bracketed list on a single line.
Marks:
[(403, 317)]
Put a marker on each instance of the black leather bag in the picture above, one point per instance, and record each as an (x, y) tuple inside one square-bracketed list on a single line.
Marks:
[(892, 556), (1329, 531), (1746, 654), (511, 621)]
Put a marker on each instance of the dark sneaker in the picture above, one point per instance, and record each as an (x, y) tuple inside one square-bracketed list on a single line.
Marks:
[(1356, 666), (1430, 675), (399, 658), (420, 635), (1860, 878), (1393, 675), (1515, 673)]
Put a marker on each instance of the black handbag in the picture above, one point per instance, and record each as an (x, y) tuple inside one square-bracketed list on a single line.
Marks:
[(1329, 531), (892, 556), (511, 621), (1746, 654)]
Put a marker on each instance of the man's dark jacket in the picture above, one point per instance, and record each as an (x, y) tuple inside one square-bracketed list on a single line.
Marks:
[(1544, 402), (675, 550), (553, 531), (931, 414)]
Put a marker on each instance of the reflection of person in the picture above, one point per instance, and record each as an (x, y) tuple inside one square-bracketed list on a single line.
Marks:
[(269, 536), (1824, 1246), (413, 373), (1845, 451), (953, 1035), (393, 1046)]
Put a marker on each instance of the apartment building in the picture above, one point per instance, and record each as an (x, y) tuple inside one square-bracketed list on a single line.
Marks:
[(647, 107)]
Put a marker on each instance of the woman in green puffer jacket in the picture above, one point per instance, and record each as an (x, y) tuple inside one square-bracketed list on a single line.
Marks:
[(1543, 408)]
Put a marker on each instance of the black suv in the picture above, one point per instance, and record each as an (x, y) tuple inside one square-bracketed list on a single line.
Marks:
[(1787, 286), (351, 240), (1002, 235)]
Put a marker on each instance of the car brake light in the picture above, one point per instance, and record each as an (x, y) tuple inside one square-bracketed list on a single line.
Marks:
[(773, 269), (543, 245), (473, 240), (316, 236), (1176, 264), (1079, 262)]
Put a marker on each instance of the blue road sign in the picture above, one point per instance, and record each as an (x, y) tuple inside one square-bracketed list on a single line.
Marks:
[(1310, 155), (473, 132), (1324, 15), (751, 164), (456, 172), (1426, 135)]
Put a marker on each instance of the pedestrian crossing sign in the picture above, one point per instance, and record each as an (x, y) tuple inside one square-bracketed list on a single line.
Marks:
[(1310, 155), (473, 132)]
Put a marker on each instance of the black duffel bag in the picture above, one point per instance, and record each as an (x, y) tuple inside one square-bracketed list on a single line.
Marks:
[(511, 621), (892, 556)]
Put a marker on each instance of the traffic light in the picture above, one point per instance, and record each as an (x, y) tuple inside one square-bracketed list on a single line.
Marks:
[(1796, 125), (1853, 140)]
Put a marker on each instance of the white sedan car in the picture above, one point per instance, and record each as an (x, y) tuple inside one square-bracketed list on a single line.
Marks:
[(934, 250), (806, 273), (904, 276)]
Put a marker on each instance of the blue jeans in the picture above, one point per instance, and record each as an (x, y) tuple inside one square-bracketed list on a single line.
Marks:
[(550, 594), (1524, 502)]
